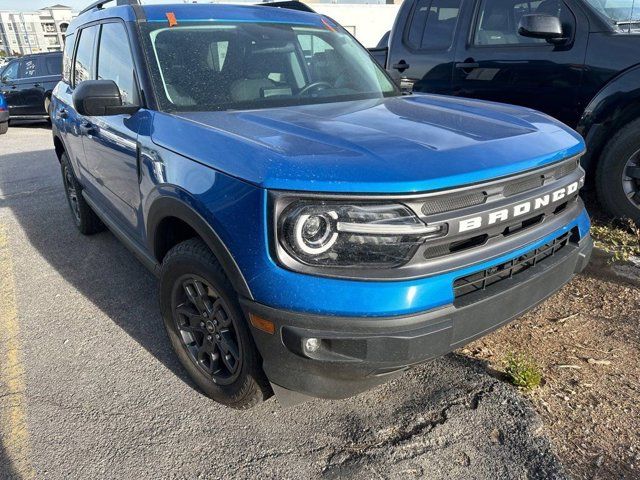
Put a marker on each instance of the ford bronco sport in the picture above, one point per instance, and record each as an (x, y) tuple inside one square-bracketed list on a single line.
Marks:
[(314, 231)]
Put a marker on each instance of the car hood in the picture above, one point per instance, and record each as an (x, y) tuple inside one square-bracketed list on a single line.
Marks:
[(395, 145)]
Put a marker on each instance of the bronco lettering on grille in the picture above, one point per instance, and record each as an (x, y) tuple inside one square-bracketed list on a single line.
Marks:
[(518, 209)]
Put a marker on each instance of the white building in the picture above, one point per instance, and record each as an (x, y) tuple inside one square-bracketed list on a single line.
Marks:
[(367, 22), (22, 33)]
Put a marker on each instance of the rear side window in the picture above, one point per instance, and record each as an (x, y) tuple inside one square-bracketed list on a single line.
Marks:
[(28, 68), (53, 65), (115, 61), (83, 69), (433, 24), (67, 57)]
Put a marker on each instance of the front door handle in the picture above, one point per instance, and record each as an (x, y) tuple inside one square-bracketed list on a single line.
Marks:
[(37, 85), (401, 66), (86, 128)]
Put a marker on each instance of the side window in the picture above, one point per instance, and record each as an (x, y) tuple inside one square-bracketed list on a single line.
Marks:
[(53, 65), (28, 68), (11, 72), (433, 24), (498, 20), (67, 57), (84, 55), (115, 61)]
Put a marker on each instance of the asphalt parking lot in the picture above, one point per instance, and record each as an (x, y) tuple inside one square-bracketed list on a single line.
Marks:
[(89, 387)]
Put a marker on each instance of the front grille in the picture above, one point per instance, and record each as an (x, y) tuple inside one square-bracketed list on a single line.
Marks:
[(482, 280), (449, 202)]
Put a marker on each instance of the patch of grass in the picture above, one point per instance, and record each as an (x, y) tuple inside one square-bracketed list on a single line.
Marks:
[(621, 241), (522, 371)]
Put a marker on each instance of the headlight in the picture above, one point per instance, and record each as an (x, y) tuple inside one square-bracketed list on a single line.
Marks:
[(354, 235)]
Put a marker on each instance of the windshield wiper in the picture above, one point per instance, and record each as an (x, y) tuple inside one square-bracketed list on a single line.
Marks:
[(627, 22)]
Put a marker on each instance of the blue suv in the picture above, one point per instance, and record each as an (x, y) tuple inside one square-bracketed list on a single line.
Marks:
[(314, 231)]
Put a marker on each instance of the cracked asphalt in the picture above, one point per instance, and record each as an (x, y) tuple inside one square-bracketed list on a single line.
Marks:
[(89, 386)]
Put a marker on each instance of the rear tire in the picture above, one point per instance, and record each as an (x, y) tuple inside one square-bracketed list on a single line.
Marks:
[(207, 328), (4, 127), (47, 107), (84, 217), (618, 173)]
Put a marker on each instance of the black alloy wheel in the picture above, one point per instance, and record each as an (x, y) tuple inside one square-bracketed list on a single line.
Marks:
[(206, 329), (72, 193)]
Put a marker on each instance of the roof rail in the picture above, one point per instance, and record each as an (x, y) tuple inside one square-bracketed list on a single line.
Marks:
[(98, 5), (289, 4)]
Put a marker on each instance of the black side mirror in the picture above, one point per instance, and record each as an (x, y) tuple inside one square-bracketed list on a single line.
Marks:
[(538, 25), (97, 98)]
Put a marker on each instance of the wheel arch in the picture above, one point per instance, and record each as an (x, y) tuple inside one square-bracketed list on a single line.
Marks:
[(170, 221), (615, 105)]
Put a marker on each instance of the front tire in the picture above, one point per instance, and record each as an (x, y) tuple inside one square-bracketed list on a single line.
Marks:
[(4, 127), (618, 174), (207, 328), (84, 217)]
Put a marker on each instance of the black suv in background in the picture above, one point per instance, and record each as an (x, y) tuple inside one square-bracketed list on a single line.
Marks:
[(576, 60), (27, 82)]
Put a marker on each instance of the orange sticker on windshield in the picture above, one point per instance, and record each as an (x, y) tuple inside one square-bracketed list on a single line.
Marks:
[(326, 24), (172, 19)]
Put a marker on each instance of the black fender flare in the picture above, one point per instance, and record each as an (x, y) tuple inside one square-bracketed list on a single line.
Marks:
[(616, 104), (165, 207)]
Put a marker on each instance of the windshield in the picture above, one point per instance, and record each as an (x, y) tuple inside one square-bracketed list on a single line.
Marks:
[(623, 13), (223, 66)]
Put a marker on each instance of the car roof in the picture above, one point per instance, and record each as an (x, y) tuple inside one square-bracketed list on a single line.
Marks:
[(199, 12)]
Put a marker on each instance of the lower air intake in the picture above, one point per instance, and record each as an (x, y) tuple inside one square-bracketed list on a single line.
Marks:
[(482, 280)]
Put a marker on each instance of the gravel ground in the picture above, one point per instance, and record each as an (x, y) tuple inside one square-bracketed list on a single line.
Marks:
[(89, 387), (586, 338)]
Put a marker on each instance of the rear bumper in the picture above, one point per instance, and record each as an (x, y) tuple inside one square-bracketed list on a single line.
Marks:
[(357, 353)]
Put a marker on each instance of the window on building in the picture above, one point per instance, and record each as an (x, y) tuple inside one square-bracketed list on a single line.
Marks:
[(433, 24), (83, 69), (116, 63)]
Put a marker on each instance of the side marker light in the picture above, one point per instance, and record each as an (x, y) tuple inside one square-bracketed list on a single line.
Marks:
[(262, 324)]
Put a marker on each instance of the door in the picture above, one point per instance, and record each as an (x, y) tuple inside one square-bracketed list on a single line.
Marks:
[(33, 77), (110, 142), (13, 88), (422, 56), (495, 63), (83, 69)]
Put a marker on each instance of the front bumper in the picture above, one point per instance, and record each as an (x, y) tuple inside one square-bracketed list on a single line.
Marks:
[(357, 353), (4, 116)]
